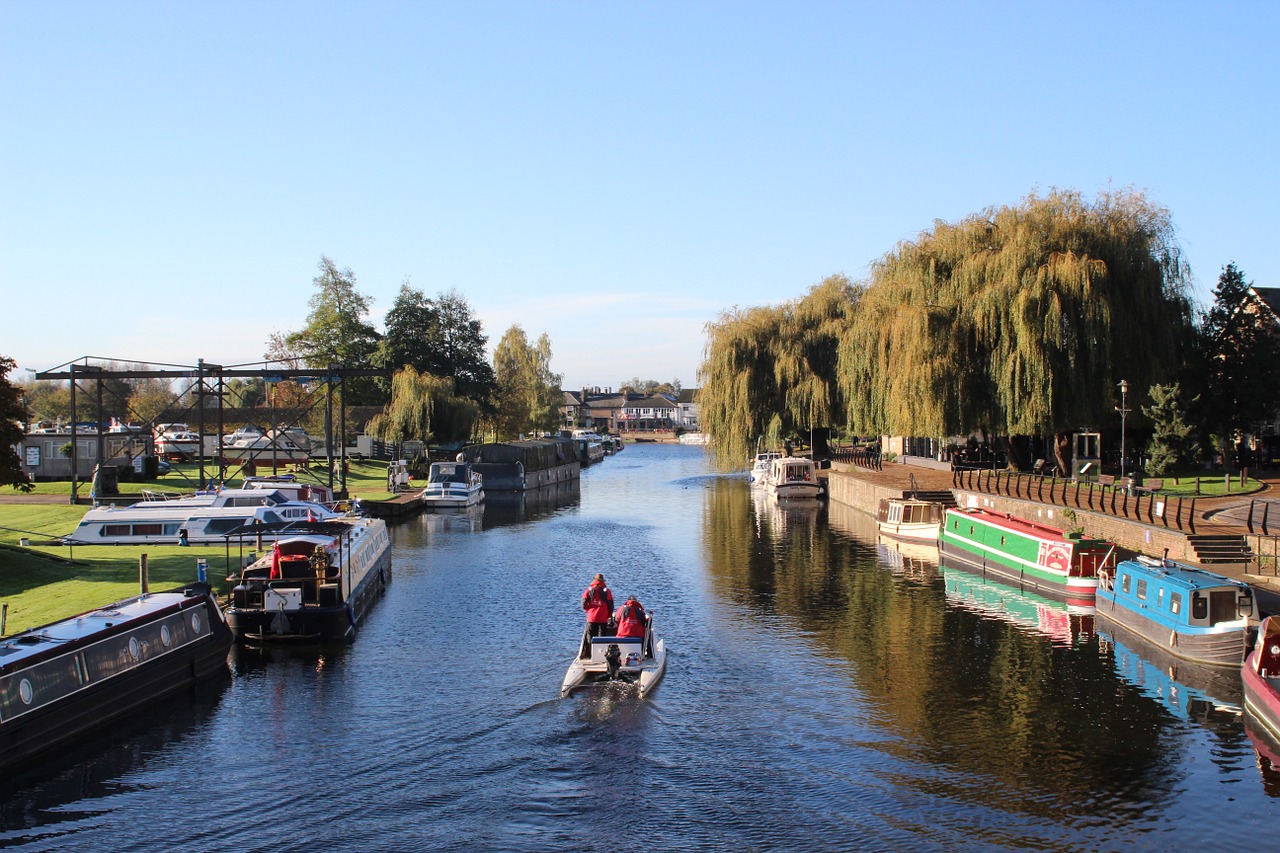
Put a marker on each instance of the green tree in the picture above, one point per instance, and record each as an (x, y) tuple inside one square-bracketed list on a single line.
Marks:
[(1239, 353), (1014, 319), (13, 414), (410, 334), (336, 331), (424, 408), (1174, 445), (528, 396), (457, 345), (771, 372)]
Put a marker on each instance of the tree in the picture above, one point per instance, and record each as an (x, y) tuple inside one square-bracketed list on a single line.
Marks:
[(1014, 320), (644, 387), (771, 372), (336, 332), (13, 414), (410, 334), (1239, 353), (528, 395), (1173, 443), (458, 343), (424, 408)]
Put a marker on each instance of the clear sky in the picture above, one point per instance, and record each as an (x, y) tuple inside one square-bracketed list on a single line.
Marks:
[(614, 174)]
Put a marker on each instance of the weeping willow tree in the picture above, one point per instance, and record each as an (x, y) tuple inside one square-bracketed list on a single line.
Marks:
[(771, 371), (1018, 320), (424, 408)]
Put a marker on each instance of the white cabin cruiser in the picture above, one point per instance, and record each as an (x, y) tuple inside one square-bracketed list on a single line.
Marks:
[(452, 485), (632, 660), (793, 477), (760, 466)]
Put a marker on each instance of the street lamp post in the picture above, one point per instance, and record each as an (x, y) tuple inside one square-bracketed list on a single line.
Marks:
[(1123, 410)]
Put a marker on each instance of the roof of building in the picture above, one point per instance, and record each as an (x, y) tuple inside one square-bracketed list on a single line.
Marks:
[(1269, 296)]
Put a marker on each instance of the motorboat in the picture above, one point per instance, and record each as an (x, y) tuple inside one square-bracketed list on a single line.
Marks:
[(315, 583), (759, 471), (793, 477), (294, 489), (177, 445), (65, 679), (452, 485), (200, 518), (274, 447), (632, 660), (248, 432)]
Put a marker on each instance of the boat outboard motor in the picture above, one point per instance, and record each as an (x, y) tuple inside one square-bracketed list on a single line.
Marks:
[(613, 659)]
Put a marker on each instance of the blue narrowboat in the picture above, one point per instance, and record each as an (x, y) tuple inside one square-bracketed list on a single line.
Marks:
[(1191, 613)]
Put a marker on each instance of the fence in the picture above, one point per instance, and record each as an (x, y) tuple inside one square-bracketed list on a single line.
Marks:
[(859, 456), (1119, 501)]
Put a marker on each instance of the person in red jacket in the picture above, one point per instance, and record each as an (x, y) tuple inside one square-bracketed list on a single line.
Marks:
[(630, 618), (597, 600)]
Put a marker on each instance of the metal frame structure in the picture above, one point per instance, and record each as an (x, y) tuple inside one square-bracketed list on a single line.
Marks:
[(210, 381)]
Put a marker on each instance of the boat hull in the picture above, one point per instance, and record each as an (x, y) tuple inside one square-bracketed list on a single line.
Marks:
[(910, 532), (99, 678), (650, 663), (1260, 678), (1220, 648)]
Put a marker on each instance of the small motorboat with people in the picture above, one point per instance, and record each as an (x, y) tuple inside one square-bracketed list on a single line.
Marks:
[(315, 583), (452, 485), (65, 679), (631, 660)]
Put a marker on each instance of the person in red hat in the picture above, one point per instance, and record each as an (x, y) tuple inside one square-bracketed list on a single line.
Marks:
[(597, 600)]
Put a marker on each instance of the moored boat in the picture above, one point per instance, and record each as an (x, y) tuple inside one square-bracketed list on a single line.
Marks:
[(633, 660), (64, 679), (759, 470), (315, 583), (452, 485), (910, 519), (1026, 553), (1192, 613), (1260, 675), (793, 477)]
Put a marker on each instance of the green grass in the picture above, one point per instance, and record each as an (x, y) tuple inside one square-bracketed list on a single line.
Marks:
[(1207, 487), (43, 583)]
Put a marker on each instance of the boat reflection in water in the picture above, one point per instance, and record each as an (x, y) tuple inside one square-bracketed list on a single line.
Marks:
[(784, 517), (515, 507), (1194, 693), (913, 561), (1064, 624), (1266, 754)]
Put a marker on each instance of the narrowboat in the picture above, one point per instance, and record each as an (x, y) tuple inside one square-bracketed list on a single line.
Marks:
[(65, 679), (315, 583), (1026, 553), (793, 477), (1192, 613), (910, 519), (1260, 675)]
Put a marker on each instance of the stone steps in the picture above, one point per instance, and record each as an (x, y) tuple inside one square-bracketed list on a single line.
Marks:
[(1220, 548)]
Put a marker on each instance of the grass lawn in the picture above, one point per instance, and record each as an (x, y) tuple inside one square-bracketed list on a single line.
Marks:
[(43, 583), (1212, 486)]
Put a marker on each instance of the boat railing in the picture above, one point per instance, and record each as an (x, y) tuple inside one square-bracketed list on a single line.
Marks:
[(1102, 497)]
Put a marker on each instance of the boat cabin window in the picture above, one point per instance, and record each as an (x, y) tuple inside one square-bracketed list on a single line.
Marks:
[(1124, 583), (1222, 606), (1160, 597), (1142, 590), (221, 526), (1175, 603), (1199, 606)]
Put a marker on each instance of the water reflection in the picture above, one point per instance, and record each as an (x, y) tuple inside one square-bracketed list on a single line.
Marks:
[(1063, 624)]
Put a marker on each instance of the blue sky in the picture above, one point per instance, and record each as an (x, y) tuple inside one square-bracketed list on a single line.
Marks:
[(612, 174)]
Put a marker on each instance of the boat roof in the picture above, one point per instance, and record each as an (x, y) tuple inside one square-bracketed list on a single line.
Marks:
[(1179, 574), (1025, 526), (20, 647)]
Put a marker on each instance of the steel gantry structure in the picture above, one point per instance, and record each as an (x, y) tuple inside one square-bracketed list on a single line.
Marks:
[(209, 384)]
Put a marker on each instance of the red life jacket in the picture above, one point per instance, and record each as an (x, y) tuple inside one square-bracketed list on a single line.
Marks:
[(598, 602), (631, 620)]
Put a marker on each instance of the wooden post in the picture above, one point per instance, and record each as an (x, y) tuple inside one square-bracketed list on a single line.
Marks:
[(142, 574), (4, 617)]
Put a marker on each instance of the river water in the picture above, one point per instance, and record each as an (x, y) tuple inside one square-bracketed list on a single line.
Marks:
[(823, 692)]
